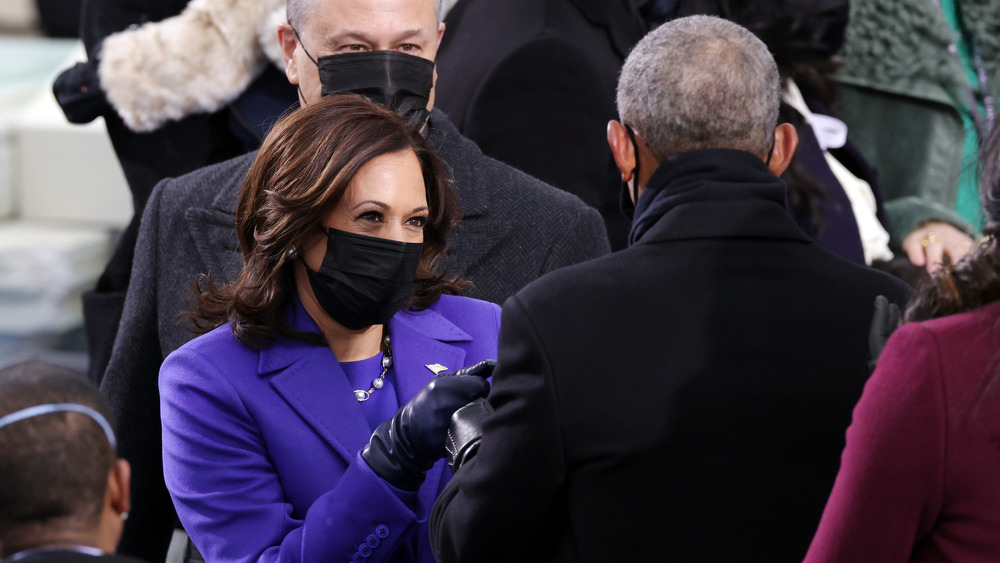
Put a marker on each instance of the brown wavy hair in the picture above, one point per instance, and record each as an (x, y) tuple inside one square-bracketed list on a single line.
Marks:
[(301, 172)]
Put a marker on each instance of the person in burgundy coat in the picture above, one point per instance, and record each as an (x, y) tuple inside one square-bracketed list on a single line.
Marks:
[(919, 476), (280, 441)]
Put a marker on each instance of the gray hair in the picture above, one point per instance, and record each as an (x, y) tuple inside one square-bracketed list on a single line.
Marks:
[(700, 82), (299, 10)]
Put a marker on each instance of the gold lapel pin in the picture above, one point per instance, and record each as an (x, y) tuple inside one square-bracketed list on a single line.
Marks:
[(436, 368)]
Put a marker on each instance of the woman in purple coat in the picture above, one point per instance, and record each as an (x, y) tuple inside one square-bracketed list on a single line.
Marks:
[(308, 423), (920, 476)]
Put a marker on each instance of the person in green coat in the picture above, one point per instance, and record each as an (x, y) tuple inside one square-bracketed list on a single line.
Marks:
[(918, 83)]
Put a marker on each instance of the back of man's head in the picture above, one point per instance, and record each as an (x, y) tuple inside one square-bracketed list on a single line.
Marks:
[(54, 466), (700, 82)]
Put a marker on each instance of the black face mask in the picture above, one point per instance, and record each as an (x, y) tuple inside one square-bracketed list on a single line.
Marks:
[(398, 81), (364, 280), (626, 200)]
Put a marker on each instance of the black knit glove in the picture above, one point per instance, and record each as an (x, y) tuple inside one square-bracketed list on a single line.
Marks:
[(403, 448), (79, 93)]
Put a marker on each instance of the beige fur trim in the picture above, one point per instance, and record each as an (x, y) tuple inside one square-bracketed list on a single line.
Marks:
[(194, 62), (267, 36)]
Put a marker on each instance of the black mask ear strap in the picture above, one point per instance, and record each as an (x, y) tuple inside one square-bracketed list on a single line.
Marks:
[(770, 150), (635, 172), (303, 45)]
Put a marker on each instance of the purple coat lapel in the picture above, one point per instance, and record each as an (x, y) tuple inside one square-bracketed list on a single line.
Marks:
[(319, 392), (313, 383), (421, 339)]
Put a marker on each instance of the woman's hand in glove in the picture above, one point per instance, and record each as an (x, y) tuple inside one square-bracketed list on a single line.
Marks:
[(403, 448)]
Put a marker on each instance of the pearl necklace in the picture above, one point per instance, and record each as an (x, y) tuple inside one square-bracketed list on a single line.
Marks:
[(363, 396)]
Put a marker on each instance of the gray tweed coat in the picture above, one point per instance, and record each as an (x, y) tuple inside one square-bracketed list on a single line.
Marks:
[(514, 229)]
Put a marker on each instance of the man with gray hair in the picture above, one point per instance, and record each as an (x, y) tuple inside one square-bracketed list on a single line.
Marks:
[(685, 398)]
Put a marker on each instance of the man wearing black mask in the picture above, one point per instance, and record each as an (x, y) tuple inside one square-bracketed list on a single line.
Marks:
[(684, 399), (514, 227)]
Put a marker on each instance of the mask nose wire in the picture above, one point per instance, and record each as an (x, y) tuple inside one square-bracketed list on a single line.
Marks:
[(303, 45)]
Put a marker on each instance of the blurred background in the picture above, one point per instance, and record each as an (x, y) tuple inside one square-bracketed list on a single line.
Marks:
[(63, 197)]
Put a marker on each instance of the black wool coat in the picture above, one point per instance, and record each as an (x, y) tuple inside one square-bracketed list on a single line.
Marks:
[(532, 82), (684, 399)]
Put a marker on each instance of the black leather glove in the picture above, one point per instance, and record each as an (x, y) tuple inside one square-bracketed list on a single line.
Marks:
[(465, 431), (885, 320), (403, 448), (79, 93)]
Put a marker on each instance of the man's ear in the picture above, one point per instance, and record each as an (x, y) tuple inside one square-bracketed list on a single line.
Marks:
[(786, 139), (119, 487), (289, 42), (440, 33), (622, 149)]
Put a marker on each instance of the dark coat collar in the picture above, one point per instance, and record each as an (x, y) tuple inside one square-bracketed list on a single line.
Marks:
[(714, 193), (456, 150), (229, 192)]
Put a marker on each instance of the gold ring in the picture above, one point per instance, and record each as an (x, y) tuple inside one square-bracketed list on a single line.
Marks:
[(928, 238)]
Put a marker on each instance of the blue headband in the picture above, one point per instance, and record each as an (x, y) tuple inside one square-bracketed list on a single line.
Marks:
[(50, 408)]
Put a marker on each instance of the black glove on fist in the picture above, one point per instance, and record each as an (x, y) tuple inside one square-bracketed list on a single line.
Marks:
[(403, 448), (465, 431)]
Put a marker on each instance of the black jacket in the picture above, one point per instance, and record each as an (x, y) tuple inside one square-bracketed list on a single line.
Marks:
[(684, 399), (532, 82)]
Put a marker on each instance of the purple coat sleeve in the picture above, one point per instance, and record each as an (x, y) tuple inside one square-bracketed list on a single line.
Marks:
[(891, 482), (229, 495)]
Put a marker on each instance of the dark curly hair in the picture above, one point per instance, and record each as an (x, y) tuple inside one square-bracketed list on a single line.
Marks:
[(302, 170)]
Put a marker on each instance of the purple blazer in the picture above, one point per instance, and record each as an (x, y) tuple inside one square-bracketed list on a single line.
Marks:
[(261, 448)]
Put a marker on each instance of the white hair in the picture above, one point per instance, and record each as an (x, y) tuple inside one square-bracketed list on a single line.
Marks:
[(700, 82)]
